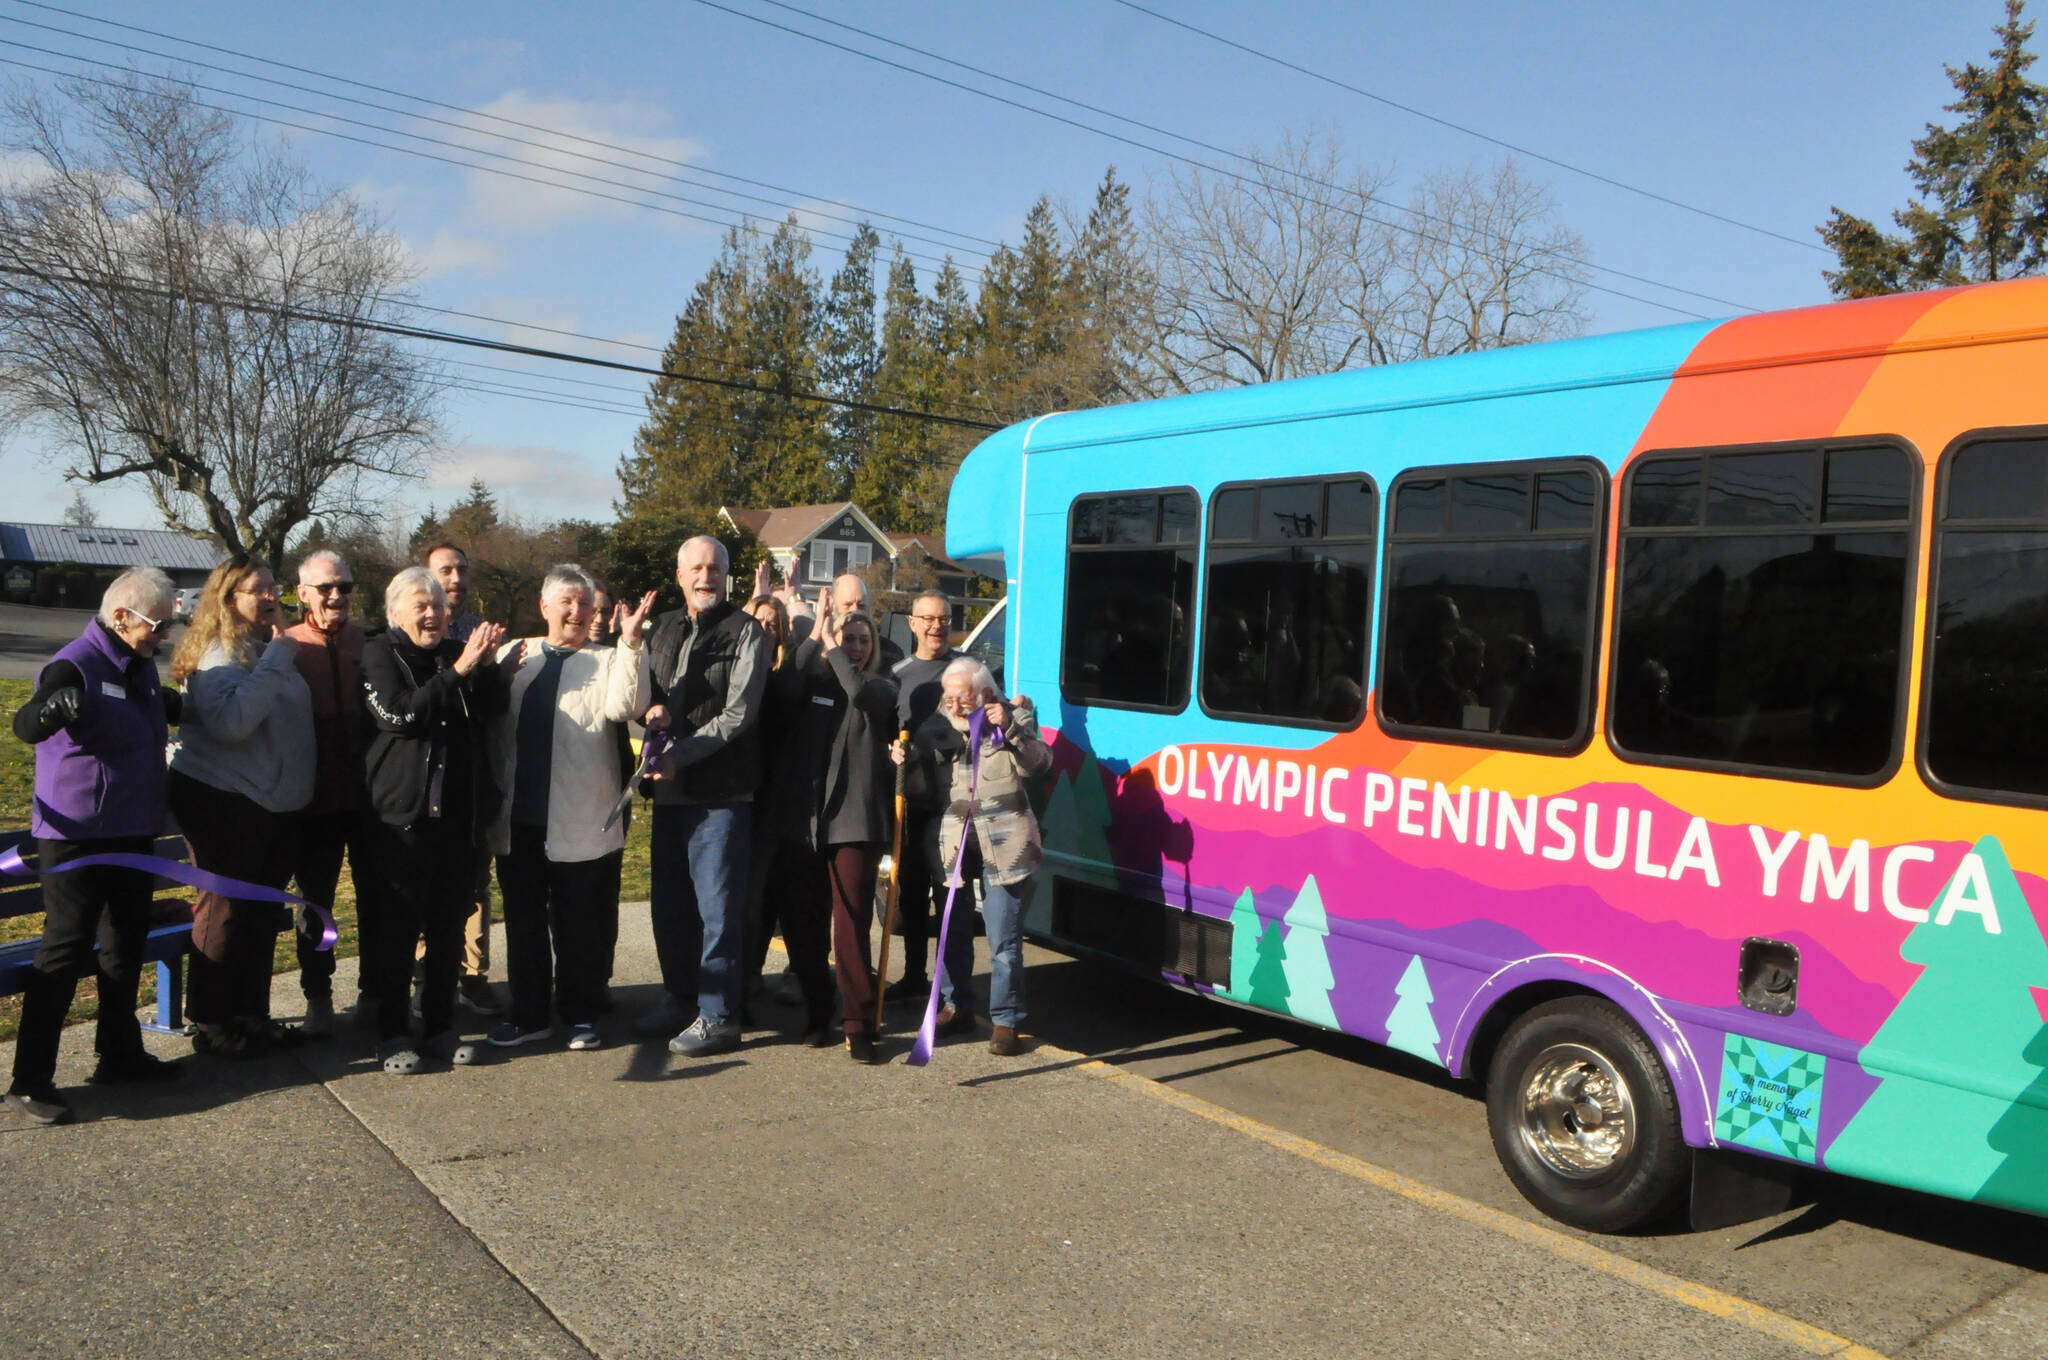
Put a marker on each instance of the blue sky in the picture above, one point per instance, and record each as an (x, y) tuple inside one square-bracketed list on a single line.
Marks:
[(1766, 113)]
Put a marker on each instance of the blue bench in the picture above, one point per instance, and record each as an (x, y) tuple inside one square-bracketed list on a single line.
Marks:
[(170, 934)]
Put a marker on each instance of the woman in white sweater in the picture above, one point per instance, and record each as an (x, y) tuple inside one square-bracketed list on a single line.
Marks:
[(557, 753), (245, 758)]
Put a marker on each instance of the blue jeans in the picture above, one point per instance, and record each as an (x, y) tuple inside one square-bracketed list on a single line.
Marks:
[(698, 903), (1002, 914)]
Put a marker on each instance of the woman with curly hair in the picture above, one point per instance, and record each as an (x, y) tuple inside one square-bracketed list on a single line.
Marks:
[(245, 759)]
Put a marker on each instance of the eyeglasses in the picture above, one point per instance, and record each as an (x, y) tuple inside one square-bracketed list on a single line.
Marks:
[(155, 625), (260, 592), (928, 618), (330, 587)]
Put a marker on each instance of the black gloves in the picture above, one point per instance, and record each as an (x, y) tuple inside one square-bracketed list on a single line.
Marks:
[(61, 709)]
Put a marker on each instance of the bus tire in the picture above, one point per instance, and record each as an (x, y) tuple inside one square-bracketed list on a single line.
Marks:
[(1583, 1116)]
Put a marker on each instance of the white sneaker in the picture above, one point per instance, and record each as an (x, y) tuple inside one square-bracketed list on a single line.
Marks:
[(585, 1037), (705, 1037)]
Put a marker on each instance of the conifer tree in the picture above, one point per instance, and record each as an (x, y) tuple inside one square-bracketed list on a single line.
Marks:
[(1410, 1026), (1307, 962), (852, 358), (1982, 213)]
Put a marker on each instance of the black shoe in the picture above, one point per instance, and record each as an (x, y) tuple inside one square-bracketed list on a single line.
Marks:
[(473, 992), (133, 1068), (908, 989), (43, 1105), (860, 1046), (819, 1035)]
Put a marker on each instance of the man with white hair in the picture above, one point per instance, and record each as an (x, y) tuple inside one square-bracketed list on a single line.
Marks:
[(329, 658), (709, 663), (99, 721), (848, 595)]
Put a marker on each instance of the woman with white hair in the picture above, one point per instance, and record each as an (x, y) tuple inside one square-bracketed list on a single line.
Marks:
[(1004, 849), (431, 788), (98, 721), (556, 751)]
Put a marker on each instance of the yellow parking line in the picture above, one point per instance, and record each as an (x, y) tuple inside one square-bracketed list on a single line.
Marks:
[(1756, 1317)]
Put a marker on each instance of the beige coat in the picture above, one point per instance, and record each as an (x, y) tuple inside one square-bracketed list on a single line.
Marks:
[(600, 686)]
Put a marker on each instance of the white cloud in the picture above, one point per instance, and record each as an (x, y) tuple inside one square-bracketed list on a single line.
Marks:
[(498, 201), (448, 253)]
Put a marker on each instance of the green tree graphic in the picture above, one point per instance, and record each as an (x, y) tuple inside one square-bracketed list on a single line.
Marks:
[(1245, 932), (1305, 958), (1410, 1026), (1971, 1012)]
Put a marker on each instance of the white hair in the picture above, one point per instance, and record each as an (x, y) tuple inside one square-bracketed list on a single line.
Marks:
[(409, 581), (139, 590), (724, 557), (327, 555), (977, 675), (568, 576)]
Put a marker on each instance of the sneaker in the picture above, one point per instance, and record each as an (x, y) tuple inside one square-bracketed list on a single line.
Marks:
[(1004, 1042), (43, 1105), (907, 989), (474, 993), (664, 1021), (583, 1038), (133, 1068), (951, 1022), (705, 1037), (508, 1034), (319, 1021)]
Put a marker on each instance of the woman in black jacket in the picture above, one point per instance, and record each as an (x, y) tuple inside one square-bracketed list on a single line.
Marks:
[(837, 782), (431, 788)]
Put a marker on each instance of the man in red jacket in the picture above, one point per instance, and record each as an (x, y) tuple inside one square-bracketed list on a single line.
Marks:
[(330, 658)]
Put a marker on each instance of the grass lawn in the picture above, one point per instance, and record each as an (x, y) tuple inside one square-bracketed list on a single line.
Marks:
[(17, 788)]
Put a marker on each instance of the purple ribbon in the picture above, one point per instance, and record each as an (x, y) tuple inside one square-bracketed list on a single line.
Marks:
[(191, 875), (928, 1032), (652, 747)]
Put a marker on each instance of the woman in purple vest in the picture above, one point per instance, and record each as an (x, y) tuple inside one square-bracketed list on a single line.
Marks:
[(246, 758), (98, 723)]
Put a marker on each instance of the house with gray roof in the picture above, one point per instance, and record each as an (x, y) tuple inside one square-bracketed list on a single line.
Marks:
[(64, 559)]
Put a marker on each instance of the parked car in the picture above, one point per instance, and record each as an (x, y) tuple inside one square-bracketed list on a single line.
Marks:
[(181, 606)]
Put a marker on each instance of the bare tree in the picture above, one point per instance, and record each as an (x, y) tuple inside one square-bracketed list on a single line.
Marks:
[(180, 308), (1301, 265)]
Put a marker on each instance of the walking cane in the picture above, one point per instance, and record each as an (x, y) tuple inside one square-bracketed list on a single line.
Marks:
[(895, 881)]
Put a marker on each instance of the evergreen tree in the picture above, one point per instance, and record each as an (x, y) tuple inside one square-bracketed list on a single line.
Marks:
[(781, 452), (852, 358), (1245, 932), (1971, 1011), (1983, 208), (1307, 959), (889, 479), (1410, 1026)]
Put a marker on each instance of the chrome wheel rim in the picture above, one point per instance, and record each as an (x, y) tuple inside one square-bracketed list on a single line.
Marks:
[(1577, 1116)]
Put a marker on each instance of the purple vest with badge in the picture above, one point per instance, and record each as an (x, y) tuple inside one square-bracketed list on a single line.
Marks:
[(104, 776)]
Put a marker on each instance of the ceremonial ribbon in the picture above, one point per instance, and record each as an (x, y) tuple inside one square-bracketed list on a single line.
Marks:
[(652, 747), (928, 1032), (191, 875)]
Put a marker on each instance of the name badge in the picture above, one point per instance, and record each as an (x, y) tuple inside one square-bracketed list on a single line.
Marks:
[(826, 700), (113, 690)]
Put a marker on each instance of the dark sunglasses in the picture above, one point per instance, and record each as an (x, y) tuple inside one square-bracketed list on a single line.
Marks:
[(331, 587)]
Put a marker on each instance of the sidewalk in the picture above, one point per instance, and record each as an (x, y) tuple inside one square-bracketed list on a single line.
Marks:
[(775, 1201)]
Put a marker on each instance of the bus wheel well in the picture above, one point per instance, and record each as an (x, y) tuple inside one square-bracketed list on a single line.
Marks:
[(1486, 1036)]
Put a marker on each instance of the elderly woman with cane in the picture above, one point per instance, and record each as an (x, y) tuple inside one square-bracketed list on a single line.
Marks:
[(246, 760), (1003, 850), (98, 721), (432, 790)]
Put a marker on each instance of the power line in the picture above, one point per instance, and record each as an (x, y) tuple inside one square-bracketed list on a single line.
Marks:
[(1469, 131), (117, 284), (1180, 156), (781, 203), (501, 119), (433, 141)]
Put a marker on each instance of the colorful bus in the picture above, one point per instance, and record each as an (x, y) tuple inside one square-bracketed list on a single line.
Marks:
[(1652, 727)]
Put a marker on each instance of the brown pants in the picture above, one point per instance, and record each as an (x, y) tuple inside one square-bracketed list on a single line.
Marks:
[(832, 898)]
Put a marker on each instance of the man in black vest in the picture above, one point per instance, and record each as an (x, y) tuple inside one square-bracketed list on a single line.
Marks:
[(710, 663)]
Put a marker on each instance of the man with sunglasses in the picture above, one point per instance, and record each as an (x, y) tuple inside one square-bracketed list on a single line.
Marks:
[(919, 688), (99, 722), (330, 660)]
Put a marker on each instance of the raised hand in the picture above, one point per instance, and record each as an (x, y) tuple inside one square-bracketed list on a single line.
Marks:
[(764, 577), (630, 624), (481, 644)]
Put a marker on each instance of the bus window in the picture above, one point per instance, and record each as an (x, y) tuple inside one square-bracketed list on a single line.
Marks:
[(1489, 628), (1287, 600), (1987, 665), (1748, 634), (1130, 595)]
